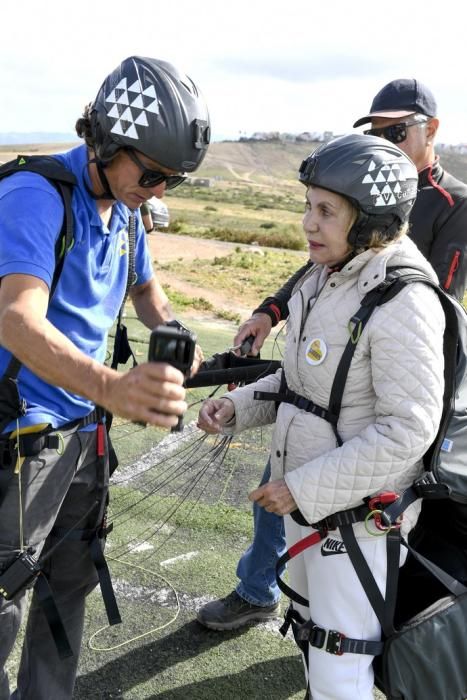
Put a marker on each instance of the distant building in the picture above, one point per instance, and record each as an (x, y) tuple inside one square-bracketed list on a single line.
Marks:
[(198, 181), (308, 136)]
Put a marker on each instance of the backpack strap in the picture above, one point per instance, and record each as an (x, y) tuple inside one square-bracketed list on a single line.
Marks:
[(122, 350), (63, 180), (382, 293)]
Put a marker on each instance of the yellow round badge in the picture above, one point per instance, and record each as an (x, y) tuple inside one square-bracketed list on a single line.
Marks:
[(316, 351)]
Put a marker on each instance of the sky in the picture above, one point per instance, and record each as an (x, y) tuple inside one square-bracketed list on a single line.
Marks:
[(262, 65)]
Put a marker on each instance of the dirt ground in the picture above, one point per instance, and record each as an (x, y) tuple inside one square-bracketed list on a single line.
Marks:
[(166, 247)]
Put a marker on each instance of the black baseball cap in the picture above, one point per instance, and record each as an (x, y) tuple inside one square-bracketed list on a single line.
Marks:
[(399, 98)]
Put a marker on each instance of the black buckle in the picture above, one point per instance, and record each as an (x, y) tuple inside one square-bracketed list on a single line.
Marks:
[(334, 642), (325, 525), (426, 486), (284, 628), (317, 636)]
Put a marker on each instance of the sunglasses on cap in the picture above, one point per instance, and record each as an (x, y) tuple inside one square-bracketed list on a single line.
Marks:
[(395, 133), (152, 178)]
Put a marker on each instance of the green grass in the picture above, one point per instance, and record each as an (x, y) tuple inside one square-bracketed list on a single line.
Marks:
[(248, 276), (182, 659), (181, 301), (242, 214)]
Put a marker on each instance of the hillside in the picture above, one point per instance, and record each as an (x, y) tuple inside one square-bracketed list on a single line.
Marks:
[(266, 162), (249, 162), (255, 161)]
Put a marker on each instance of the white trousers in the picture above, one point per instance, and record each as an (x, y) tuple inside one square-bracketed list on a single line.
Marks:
[(325, 576)]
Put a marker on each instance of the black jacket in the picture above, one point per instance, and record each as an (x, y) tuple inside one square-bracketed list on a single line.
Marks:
[(438, 225)]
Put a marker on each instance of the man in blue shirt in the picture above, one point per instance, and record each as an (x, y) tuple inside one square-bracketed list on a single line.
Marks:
[(147, 127)]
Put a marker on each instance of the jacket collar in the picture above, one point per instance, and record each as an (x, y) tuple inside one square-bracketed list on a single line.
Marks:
[(370, 267), (430, 172)]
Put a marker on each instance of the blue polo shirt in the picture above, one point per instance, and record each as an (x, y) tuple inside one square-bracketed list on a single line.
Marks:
[(91, 286)]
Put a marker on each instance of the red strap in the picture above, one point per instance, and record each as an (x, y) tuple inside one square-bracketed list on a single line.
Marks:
[(452, 268), (100, 444), (309, 541)]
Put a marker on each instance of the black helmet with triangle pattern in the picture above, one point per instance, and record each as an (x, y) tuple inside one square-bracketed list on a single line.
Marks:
[(377, 177), (150, 106)]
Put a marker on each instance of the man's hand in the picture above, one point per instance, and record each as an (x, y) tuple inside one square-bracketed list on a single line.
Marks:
[(259, 325), (274, 497), (214, 414), (150, 393)]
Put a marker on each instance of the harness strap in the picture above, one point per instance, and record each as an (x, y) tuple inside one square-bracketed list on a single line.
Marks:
[(425, 487), (46, 599), (343, 517), (297, 400), (96, 534), (63, 533), (32, 444), (331, 522), (105, 582), (11, 404), (383, 607), (122, 350), (308, 632), (333, 641), (293, 619), (297, 548)]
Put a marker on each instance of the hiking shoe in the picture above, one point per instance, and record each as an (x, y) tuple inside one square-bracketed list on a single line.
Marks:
[(232, 612)]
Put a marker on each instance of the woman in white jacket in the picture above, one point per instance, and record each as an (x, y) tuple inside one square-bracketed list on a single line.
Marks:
[(360, 190)]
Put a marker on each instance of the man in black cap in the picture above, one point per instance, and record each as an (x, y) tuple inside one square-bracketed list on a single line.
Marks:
[(403, 112)]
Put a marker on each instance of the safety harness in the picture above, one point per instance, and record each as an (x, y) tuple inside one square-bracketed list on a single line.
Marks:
[(386, 509), (13, 406)]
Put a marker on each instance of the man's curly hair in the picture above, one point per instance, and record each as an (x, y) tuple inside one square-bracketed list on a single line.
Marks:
[(83, 126)]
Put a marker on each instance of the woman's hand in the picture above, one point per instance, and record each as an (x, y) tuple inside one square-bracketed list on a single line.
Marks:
[(214, 414), (274, 497), (259, 325), (197, 360)]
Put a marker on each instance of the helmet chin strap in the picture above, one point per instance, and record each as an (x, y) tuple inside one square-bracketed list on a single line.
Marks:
[(360, 234), (107, 193)]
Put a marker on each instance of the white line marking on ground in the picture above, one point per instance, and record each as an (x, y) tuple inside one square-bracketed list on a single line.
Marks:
[(160, 451), (181, 557), (142, 547)]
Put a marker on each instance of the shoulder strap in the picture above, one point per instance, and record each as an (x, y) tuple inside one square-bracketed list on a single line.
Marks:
[(395, 280), (370, 301), (122, 350), (64, 181)]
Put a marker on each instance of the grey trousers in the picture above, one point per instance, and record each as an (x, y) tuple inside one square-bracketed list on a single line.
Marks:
[(56, 490)]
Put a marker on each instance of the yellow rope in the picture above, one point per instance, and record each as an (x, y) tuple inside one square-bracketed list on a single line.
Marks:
[(19, 463), (145, 634)]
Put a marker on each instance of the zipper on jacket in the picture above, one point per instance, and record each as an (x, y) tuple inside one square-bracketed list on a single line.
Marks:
[(452, 269)]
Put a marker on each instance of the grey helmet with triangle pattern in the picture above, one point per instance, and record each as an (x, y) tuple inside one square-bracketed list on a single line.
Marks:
[(377, 177), (150, 106)]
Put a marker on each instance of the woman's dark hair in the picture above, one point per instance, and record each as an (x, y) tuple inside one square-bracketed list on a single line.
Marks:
[(83, 126)]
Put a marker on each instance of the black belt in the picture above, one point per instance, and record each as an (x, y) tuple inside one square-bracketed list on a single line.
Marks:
[(332, 641), (32, 444), (297, 400)]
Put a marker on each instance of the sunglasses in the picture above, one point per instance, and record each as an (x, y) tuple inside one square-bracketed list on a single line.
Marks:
[(152, 178), (395, 133)]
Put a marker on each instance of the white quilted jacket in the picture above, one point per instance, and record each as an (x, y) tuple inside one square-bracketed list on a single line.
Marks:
[(393, 395)]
